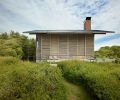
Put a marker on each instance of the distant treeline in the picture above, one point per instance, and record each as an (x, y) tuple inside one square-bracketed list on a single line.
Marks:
[(17, 45), (108, 52)]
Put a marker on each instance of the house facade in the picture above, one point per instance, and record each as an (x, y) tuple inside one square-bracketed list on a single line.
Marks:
[(66, 44)]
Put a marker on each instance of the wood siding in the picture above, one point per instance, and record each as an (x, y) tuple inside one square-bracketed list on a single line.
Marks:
[(89, 45), (54, 45), (45, 46), (73, 45), (63, 49), (64, 46), (81, 45), (38, 47)]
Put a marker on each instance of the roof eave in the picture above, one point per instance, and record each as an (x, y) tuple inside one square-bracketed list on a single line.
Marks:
[(68, 32)]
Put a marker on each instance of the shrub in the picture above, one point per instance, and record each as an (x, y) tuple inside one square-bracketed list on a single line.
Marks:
[(101, 79), (28, 81), (117, 61)]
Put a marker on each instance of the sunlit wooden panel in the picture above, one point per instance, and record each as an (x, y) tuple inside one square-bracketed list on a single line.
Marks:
[(72, 45), (63, 45), (54, 45), (45, 46)]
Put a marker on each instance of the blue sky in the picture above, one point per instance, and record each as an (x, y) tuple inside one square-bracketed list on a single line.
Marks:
[(24, 15)]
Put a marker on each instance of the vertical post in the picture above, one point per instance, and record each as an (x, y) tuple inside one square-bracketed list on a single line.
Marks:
[(67, 46), (85, 46), (36, 46), (77, 45), (41, 47), (50, 47)]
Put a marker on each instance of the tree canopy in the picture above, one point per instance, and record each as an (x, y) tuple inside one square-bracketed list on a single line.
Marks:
[(108, 52), (16, 45)]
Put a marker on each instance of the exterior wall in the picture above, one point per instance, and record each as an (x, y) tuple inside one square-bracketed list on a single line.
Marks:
[(64, 46), (54, 45), (89, 45), (81, 45), (38, 47), (45, 46)]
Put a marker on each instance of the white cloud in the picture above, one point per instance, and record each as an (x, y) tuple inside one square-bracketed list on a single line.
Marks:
[(23, 15), (108, 43), (108, 18), (48, 14)]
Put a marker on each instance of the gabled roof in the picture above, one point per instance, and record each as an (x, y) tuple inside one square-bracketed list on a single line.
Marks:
[(68, 32)]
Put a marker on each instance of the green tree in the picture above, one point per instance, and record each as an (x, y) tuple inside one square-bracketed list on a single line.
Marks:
[(115, 51), (108, 52), (17, 45), (4, 35)]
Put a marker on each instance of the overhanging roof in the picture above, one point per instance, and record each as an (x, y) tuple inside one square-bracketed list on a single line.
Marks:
[(68, 31)]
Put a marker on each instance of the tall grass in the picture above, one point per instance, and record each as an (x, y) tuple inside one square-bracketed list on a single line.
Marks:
[(28, 81), (101, 79)]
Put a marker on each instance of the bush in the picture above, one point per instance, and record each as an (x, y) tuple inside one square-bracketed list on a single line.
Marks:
[(101, 79), (28, 81), (117, 61), (16, 45)]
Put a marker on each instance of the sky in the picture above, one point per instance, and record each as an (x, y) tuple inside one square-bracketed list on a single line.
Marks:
[(26, 15)]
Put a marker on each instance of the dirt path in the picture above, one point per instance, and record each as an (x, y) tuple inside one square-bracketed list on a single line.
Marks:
[(76, 92)]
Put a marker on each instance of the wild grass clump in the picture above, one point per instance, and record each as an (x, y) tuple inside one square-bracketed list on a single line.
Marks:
[(28, 81), (101, 79)]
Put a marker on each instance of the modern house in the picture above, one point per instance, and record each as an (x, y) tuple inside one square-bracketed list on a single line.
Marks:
[(66, 44)]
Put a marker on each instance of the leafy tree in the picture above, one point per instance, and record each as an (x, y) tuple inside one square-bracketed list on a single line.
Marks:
[(17, 45), (3, 36), (108, 52), (115, 51)]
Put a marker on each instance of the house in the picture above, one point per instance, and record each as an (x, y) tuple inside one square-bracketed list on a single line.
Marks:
[(66, 44)]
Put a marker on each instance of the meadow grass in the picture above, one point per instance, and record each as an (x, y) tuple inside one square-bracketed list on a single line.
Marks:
[(29, 81), (100, 79), (76, 92)]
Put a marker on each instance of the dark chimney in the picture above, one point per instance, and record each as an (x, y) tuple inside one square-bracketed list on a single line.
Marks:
[(87, 23)]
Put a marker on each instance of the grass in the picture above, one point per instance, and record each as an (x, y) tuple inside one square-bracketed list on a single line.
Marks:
[(101, 79), (76, 92), (29, 81)]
